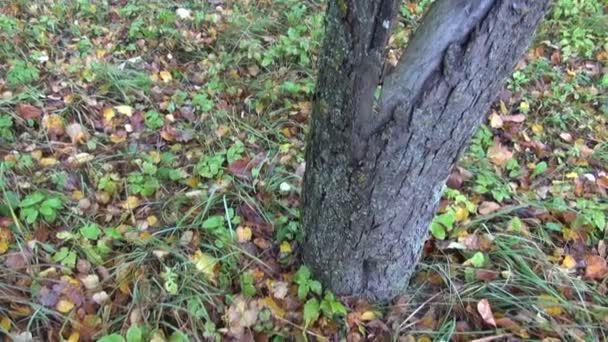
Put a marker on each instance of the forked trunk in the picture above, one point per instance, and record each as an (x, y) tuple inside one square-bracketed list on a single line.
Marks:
[(376, 166)]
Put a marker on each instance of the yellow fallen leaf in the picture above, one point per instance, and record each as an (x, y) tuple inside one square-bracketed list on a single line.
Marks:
[(537, 128), (165, 76), (53, 124), (243, 234), (572, 175), (45, 162), (118, 138), (131, 203), (285, 247), (462, 214), (74, 337), (569, 262), (368, 316), (192, 182), (269, 303), (125, 110), (36, 155), (108, 114), (152, 220), (77, 195), (64, 306), (5, 323), (4, 245), (206, 264)]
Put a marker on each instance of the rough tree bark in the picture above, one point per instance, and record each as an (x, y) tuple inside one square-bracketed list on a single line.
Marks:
[(376, 167)]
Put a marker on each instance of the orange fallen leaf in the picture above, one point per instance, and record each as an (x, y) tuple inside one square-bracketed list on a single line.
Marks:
[(597, 268), (484, 309)]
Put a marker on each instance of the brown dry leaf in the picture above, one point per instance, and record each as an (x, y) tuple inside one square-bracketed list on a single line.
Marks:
[(488, 207), (241, 314), (484, 309), (27, 111), (597, 268), (499, 154)]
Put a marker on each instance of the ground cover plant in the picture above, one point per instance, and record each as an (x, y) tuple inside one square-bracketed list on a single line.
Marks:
[(151, 158)]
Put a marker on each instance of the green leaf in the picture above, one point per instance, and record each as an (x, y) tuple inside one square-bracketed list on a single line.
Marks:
[(438, 231), (539, 169), (178, 336), (213, 222), (311, 311), (315, 286), (478, 259), (303, 290), (32, 199), (54, 203), (135, 334), (30, 215), (302, 275), (112, 338), (61, 254), (90, 231)]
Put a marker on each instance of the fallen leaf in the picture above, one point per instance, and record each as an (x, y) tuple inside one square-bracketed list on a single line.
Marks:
[(125, 110), (64, 306), (495, 120), (269, 303), (488, 207), (499, 154), (484, 309), (53, 124), (517, 118), (242, 314), (165, 76), (597, 268), (27, 111), (77, 133), (243, 234), (131, 203), (206, 264), (569, 262)]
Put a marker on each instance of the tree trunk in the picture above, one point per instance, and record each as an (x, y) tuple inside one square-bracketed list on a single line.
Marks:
[(376, 167)]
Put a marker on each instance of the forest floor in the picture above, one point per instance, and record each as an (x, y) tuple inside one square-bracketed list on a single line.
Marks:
[(151, 158)]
